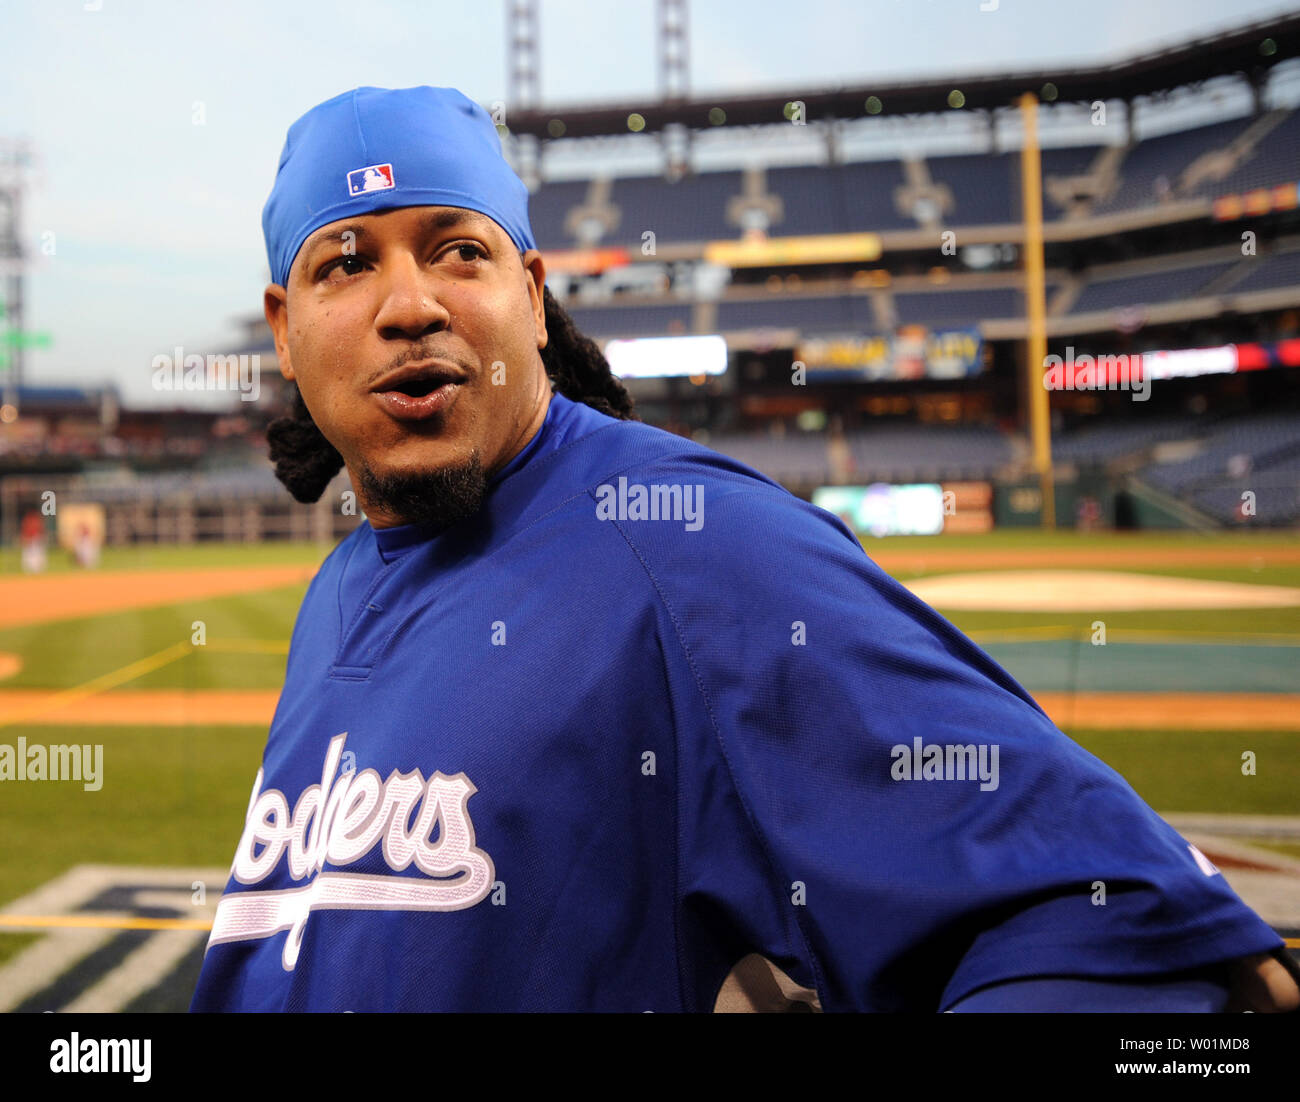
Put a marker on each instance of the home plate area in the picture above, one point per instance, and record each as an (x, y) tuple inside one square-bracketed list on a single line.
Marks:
[(124, 938)]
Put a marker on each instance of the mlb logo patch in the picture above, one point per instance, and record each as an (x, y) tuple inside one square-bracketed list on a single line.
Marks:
[(373, 178)]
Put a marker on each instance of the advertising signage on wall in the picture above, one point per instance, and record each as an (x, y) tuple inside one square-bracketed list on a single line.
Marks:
[(1078, 370), (911, 353), (916, 509), (659, 357), (885, 510)]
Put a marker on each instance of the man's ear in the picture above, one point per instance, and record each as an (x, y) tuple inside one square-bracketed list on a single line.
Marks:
[(275, 303), (535, 275)]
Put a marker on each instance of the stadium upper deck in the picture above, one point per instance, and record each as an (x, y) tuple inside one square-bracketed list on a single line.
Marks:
[(1185, 179), (972, 190)]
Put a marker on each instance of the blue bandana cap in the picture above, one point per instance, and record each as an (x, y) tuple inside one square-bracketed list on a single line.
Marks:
[(375, 149)]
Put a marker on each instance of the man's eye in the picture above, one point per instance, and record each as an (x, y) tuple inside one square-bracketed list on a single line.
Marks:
[(476, 252), (338, 264)]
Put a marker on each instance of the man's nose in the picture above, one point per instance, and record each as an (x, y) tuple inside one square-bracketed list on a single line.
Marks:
[(410, 307)]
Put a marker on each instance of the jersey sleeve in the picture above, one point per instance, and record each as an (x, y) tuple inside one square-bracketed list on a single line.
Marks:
[(869, 801), (1205, 991)]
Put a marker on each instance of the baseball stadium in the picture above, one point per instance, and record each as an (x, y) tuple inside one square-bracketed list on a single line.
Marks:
[(1035, 337)]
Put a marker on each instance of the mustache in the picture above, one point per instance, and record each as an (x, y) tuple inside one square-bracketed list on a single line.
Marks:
[(421, 355)]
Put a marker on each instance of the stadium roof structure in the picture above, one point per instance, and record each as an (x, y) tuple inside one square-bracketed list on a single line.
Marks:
[(1238, 52)]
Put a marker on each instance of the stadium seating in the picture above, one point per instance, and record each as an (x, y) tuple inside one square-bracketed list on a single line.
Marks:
[(812, 201), (1276, 499), (796, 459), (868, 188), (1257, 452), (1280, 269), (1165, 156), (958, 307), (918, 453), (838, 312), (692, 209), (1170, 285), (1272, 161), (985, 187), (926, 453), (1115, 440), (549, 206), (1259, 440), (1066, 162), (652, 320), (860, 195), (234, 484)]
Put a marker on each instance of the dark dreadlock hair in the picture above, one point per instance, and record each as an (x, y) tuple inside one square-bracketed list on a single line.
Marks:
[(306, 462)]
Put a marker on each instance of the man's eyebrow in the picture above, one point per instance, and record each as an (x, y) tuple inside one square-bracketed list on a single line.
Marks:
[(457, 216), (446, 219), (316, 240)]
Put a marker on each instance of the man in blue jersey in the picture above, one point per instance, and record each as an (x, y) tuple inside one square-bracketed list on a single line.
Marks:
[(587, 717)]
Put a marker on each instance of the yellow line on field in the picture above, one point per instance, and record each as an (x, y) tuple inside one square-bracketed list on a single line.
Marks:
[(115, 678), (96, 922), (96, 685)]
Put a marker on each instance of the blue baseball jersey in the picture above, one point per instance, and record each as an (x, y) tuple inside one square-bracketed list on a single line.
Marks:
[(650, 733)]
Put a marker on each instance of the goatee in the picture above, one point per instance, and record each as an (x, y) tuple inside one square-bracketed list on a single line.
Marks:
[(433, 499)]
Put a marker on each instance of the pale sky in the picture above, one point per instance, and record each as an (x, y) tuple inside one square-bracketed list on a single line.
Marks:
[(155, 221)]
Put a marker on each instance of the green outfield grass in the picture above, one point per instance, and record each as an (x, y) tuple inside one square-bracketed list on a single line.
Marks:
[(67, 653), (170, 796), (1200, 771), (12, 943)]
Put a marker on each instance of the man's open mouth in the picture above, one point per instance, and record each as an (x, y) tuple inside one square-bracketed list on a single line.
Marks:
[(418, 391), (420, 378), (419, 399), (418, 388)]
